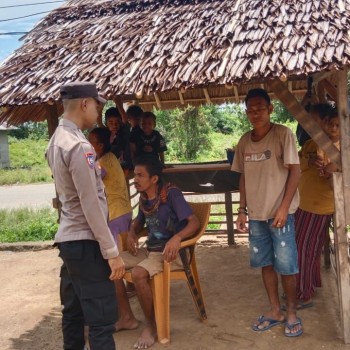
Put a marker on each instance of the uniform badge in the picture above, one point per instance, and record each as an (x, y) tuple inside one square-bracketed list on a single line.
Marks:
[(90, 158)]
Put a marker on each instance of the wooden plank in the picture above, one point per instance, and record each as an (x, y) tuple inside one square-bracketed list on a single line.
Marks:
[(343, 112), (182, 101), (196, 167), (229, 218), (342, 256), (299, 113), (159, 104)]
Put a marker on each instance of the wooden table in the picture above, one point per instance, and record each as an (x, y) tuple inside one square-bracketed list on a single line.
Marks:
[(207, 178)]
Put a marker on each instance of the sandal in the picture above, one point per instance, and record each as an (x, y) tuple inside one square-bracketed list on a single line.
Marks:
[(262, 319), (289, 327)]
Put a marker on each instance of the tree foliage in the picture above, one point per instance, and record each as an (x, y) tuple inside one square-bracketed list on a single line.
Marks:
[(186, 132)]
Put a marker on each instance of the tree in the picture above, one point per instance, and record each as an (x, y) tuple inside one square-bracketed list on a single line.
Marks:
[(186, 131)]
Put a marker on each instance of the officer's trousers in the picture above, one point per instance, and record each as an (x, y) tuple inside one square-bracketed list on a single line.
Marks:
[(87, 296)]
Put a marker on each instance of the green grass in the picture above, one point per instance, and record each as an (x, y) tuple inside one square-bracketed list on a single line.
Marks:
[(218, 150), (28, 164), (24, 225)]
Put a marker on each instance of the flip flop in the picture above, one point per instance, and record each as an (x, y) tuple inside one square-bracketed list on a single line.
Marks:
[(262, 319), (290, 327), (300, 306)]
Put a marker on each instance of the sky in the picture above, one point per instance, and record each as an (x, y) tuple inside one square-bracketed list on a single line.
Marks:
[(8, 43)]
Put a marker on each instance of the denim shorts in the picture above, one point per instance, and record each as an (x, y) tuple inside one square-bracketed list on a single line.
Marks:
[(273, 246)]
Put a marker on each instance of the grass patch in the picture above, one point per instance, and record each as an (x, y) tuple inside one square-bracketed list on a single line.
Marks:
[(28, 164), (28, 175), (25, 225)]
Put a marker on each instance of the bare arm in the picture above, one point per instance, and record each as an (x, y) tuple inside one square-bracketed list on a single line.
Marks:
[(132, 150), (242, 216), (161, 156), (119, 104), (132, 239), (291, 187), (173, 245)]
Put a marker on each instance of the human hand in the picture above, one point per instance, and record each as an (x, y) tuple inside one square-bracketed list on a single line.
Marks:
[(280, 218), (241, 222), (172, 248), (132, 243), (117, 268)]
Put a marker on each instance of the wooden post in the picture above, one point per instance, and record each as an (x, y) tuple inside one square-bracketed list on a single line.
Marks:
[(341, 182), (52, 117), (229, 218), (52, 123), (342, 256), (313, 129), (343, 111)]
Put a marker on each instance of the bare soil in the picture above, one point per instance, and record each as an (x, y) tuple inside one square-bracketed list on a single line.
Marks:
[(234, 297)]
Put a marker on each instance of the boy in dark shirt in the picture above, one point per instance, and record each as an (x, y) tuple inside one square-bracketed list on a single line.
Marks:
[(150, 141)]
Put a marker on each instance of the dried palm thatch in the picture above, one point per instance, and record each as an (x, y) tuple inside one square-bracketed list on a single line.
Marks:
[(171, 52)]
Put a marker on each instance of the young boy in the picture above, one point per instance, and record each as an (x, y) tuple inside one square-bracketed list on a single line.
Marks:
[(114, 123), (267, 159), (150, 141)]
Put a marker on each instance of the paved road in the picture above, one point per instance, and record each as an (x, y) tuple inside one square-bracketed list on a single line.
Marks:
[(38, 195)]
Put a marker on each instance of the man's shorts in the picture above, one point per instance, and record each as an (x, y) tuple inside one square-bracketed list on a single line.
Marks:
[(273, 246), (153, 262)]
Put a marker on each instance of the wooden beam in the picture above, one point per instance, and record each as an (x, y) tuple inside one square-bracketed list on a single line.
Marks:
[(51, 117), (182, 101), (207, 97), (343, 111), (317, 77), (312, 128), (331, 89), (342, 256), (235, 89), (159, 104)]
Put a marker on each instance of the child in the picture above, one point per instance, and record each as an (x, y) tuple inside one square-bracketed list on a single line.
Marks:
[(134, 114), (115, 126), (150, 141)]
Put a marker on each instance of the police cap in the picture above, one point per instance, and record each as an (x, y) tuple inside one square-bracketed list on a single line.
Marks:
[(80, 89)]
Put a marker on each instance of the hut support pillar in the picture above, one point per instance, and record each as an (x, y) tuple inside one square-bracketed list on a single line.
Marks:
[(341, 182), (52, 118)]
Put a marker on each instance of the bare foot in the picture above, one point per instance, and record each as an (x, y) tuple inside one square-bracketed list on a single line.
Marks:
[(126, 324), (147, 338)]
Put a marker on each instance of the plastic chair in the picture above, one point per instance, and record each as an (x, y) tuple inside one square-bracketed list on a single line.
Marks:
[(161, 282)]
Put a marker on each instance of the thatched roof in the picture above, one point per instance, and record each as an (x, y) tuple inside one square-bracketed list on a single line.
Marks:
[(164, 52)]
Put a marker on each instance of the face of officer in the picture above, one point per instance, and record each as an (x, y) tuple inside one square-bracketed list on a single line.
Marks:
[(90, 111)]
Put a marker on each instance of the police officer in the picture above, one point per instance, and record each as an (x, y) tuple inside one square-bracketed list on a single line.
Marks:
[(90, 256)]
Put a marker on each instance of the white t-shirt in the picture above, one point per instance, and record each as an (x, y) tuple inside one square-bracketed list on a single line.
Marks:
[(265, 167)]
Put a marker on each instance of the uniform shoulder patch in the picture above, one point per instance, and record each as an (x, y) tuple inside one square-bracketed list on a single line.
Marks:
[(90, 158)]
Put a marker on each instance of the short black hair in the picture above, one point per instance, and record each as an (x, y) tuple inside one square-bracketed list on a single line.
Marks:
[(103, 136), (149, 115), (153, 165), (258, 92), (112, 112), (323, 110), (134, 111)]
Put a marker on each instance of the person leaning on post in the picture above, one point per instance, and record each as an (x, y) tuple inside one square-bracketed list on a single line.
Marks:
[(90, 256)]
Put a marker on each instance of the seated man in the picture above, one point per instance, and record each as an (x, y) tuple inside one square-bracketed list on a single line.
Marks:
[(169, 219)]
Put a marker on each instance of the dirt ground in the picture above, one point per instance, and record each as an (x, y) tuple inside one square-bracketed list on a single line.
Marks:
[(233, 292)]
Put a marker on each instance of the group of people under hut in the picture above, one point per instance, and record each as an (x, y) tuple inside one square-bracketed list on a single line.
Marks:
[(287, 227)]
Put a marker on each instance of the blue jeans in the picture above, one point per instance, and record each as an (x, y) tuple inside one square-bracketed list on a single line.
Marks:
[(272, 246)]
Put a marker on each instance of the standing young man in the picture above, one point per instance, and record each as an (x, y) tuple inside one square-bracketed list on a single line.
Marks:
[(268, 161), (90, 256)]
